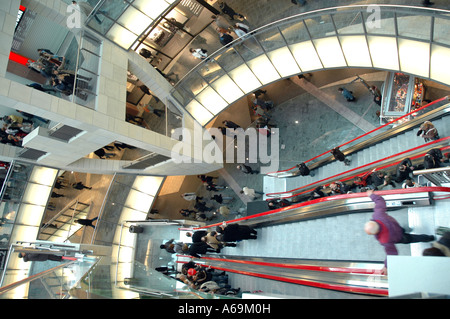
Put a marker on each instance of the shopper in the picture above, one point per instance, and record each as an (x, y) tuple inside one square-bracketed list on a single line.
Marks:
[(338, 155), (229, 11), (235, 232), (86, 222), (387, 230), (199, 53), (250, 192), (347, 94), (246, 169)]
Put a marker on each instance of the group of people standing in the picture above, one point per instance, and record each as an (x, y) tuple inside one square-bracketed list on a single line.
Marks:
[(203, 242), (225, 29), (58, 78), (201, 205)]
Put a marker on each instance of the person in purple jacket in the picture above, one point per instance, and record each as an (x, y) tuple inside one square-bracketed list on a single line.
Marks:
[(387, 230)]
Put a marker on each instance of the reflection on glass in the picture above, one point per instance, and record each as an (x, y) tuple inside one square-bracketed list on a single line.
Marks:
[(229, 60), (270, 39), (121, 36), (348, 22), (440, 30), (320, 25), (407, 26), (134, 20), (294, 31)]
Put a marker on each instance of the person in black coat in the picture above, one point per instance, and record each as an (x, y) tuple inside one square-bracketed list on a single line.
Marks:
[(235, 232), (80, 186), (433, 158), (200, 248), (338, 155), (86, 222), (403, 170), (39, 257), (197, 236)]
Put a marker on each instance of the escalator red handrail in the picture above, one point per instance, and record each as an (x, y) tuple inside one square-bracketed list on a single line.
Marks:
[(346, 270), (365, 165), (334, 197), (305, 282), (311, 283), (370, 132)]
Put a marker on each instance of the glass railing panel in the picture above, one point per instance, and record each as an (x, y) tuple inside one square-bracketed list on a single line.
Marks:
[(174, 121), (413, 26), (271, 39), (103, 27), (312, 45), (320, 26), (249, 49), (229, 59), (211, 71), (294, 31), (379, 22), (348, 22), (51, 280), (440, 30), (87, 70), (113, 8), (180, 94), (195, 85)]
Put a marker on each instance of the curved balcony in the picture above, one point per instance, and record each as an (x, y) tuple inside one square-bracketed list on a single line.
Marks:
[(396, 38)]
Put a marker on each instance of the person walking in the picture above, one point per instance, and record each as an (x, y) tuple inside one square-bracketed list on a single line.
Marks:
[(43, 257), (224, 38), (191, 196), (222, 199), (347, 94), (303, 170), (86, 222), (428, 131), (246, 169), (235, 232), (56, 195), (226, 9), (381, 179), (230, 124), (440, 247), (387, 230), (338, 155), (80, 186), (250, 192), (403, 170), (199, 53)]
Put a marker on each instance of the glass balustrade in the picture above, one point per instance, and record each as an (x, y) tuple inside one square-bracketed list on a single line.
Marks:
[(406, 39)]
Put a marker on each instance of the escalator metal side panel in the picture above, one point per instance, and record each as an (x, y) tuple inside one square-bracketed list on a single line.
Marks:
[(337, 207)]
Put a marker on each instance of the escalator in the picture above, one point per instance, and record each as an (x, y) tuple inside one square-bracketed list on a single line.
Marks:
[(320, 245)]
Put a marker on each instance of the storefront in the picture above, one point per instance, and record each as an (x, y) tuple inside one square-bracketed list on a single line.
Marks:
[(402, 93)]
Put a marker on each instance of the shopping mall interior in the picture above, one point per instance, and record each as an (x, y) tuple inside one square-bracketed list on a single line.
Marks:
[(129, 125)]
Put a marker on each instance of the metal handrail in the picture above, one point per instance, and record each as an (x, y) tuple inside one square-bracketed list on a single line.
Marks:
[(309, 14)]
